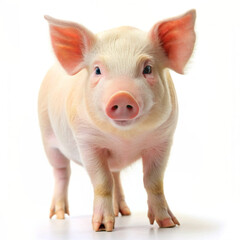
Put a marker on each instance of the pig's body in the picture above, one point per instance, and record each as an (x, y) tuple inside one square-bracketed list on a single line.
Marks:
[(117, 104), (58, 95)]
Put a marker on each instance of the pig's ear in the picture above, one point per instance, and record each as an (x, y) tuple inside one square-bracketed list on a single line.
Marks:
[(70, 42), (176, 37)]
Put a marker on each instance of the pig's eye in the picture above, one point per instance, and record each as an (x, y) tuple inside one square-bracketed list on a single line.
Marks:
[(147, 70), (97, 71)]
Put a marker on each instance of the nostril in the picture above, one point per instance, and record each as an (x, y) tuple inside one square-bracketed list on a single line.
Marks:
[(129, 107), (115, 107)]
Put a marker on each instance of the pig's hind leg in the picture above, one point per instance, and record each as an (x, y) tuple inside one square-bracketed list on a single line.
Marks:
[(60, 164), (62, 171), (119, 202)]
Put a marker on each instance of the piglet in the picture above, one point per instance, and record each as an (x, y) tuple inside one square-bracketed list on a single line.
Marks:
[(109, 101)]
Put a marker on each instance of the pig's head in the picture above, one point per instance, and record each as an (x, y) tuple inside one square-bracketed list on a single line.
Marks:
[(126, 88)]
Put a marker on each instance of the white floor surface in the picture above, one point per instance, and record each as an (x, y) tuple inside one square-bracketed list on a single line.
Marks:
[(132, 227)]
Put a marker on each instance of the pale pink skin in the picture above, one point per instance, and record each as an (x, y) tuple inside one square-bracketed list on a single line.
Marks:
[(78, 119)]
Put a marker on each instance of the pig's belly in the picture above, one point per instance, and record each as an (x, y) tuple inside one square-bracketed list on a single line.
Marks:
[(67, 146), (122, 157), (71, 152), (118, 164), (118, 159), (122, 154)]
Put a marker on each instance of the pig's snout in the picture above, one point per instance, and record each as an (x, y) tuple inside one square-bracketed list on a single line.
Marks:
[(122, 106)]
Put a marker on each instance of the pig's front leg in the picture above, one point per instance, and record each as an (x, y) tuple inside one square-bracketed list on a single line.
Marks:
[(96, 165), (154, 164)]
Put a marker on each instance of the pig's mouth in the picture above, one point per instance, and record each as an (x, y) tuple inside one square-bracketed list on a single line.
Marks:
[(123, 123)]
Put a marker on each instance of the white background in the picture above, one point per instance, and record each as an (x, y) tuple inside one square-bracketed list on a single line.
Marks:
[(203, 176)]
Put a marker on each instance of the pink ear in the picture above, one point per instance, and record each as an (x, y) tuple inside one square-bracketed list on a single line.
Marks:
[(176, 37), (70, 42)]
